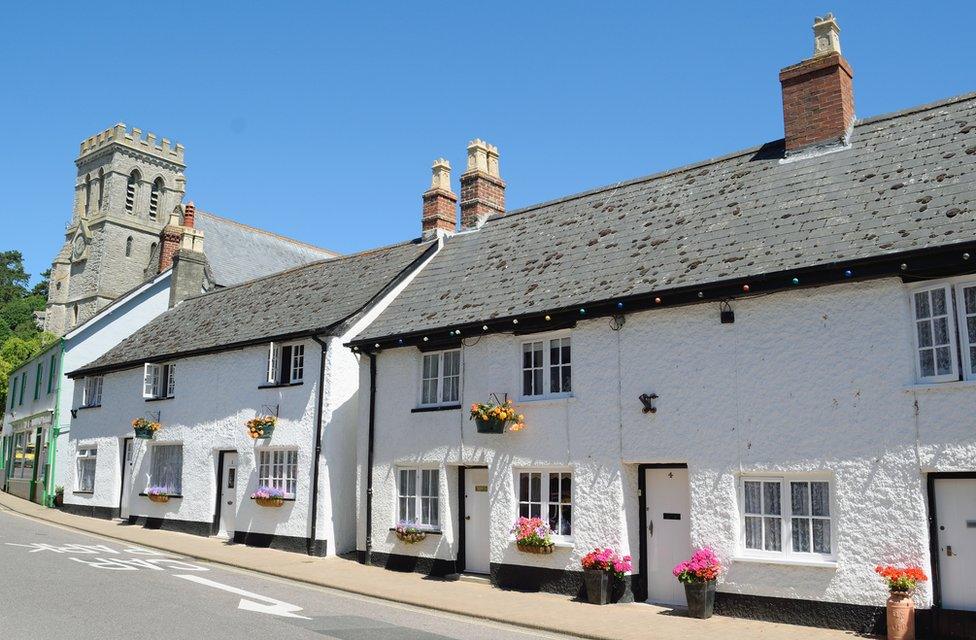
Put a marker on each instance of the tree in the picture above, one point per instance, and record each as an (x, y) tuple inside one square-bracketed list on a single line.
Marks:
[(20, 337), (13, 278), (42, 287)]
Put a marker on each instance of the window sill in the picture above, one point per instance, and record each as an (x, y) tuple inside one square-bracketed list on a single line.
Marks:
[(280, 384), (446, 407), (558, 544), (952, 385), (430, 532), (82, 493), (88, 406), (168, 495), (285, 499), (158, 399), (819, 564)]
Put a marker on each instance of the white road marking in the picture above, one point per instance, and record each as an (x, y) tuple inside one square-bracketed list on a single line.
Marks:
[(276, 608)]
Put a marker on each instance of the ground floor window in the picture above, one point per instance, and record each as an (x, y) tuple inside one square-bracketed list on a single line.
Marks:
[(22, 466), (86, 463), (547, 495), (166, 468), (786, 517), (418, 493), (278, 468)]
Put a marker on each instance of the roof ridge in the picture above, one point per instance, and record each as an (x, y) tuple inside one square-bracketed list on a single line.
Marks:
[(336, 260), (266, 232), (728, 156)]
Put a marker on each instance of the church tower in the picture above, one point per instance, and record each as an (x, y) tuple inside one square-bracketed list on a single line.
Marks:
[(125, 189)]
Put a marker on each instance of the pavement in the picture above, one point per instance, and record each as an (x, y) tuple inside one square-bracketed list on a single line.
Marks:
[(476, 602)]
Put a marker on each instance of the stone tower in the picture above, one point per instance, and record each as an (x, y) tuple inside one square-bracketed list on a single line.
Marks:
[(126, 188)]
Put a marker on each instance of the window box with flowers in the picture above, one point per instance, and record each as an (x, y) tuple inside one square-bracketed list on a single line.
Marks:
[(409, 532), (145, 429), (269, 497), (533, 535), (493, 417), (261, 426), (159, 494)]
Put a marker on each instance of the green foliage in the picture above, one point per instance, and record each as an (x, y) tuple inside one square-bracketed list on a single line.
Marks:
[(20, 337)]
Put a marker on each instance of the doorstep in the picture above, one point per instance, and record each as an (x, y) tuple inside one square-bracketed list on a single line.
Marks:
[(539, 611)]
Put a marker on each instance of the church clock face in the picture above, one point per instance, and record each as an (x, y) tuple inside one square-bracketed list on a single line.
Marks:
[(78, 247)]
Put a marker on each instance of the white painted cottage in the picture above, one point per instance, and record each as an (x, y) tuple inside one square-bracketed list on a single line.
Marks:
[(269, 347), (772, 353)]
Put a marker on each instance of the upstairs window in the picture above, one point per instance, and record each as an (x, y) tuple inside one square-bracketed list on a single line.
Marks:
[(441, 378), (547, 368), (13, 391), (38, 376), (23, 384), (92, 393), (159, 381), (944, 316), (286, 363), (154, 193), (130, 192), (51, 370)]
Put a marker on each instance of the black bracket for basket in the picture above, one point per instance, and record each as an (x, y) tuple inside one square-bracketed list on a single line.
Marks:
[(648, 401), (270, 411), (154, 416), (497, 401)]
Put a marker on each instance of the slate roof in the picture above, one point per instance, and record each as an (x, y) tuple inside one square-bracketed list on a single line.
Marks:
[(322, 298), (907, 182), (237, 252)]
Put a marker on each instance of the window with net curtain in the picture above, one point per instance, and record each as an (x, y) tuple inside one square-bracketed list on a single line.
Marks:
[(166, 467)]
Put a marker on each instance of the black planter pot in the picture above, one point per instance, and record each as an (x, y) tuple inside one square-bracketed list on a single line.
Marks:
[(701, 599), (491, 425), (598, 585)]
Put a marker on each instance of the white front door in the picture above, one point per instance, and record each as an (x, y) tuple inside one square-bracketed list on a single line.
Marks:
[(668, 532), (476, 547), (955, 515), (228, 495), (126, 478)]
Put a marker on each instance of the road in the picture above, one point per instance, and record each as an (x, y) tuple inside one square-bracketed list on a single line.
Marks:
[(60, 583)]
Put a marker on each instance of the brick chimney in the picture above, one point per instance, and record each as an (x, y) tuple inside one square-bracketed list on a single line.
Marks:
[(169, 240), (440, 203), (189, 213), (189, 266), (482, 189), (818, 94)]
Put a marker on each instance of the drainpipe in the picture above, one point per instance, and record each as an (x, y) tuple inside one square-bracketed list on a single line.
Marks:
[(54, 433), (369, 458), (313, 515)]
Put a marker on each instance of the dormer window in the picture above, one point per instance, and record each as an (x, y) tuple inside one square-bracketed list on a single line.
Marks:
[(286, 363), (159, 381)]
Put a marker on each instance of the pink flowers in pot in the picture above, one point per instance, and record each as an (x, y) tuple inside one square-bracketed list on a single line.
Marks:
[(268, 493), (702, 567), (607, 560)]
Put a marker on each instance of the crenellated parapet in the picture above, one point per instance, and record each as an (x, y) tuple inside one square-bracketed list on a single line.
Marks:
[(133, 139)]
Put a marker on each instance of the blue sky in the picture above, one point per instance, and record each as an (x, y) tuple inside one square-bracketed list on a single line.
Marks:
[(320, 120)]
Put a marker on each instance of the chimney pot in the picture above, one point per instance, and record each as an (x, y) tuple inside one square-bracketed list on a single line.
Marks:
[(826, 35), (189, 213)]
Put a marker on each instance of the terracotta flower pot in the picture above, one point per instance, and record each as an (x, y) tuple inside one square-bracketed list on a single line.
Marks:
[(901, 616), (159, 498), (270, 502), (531, 548)]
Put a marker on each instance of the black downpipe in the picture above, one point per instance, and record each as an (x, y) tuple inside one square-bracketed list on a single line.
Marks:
[(318, 451), (369, 459)]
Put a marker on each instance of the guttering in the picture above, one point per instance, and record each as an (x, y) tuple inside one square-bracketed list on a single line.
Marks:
[(54, 433), (369, 458), (946, 260), (314, 508)]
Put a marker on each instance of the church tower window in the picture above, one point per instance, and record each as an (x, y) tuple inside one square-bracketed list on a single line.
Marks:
[(128, 246), (101, 189), (130, 192), (87, 194), (157, 188)]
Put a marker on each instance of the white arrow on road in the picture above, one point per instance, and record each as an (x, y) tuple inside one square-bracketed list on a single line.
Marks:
[(276, 608)]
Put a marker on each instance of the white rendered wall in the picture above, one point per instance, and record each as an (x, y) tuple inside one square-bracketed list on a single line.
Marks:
[(817, 381)]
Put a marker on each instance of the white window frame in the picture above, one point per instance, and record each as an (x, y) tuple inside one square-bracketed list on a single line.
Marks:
[(421, 502), (153, 479), (84, 455), (296, 368), (952, 329), (278, 468), (154, 387), (961, 327), (546, 339), (92, 391), (439, 379), (544, 502), (786, 519)]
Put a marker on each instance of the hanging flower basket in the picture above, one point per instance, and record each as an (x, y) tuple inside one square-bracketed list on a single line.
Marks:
[(493, 417), (145, 429), (261, 426), (269, 497), (409, 533), (158, 494), (533, 535)]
